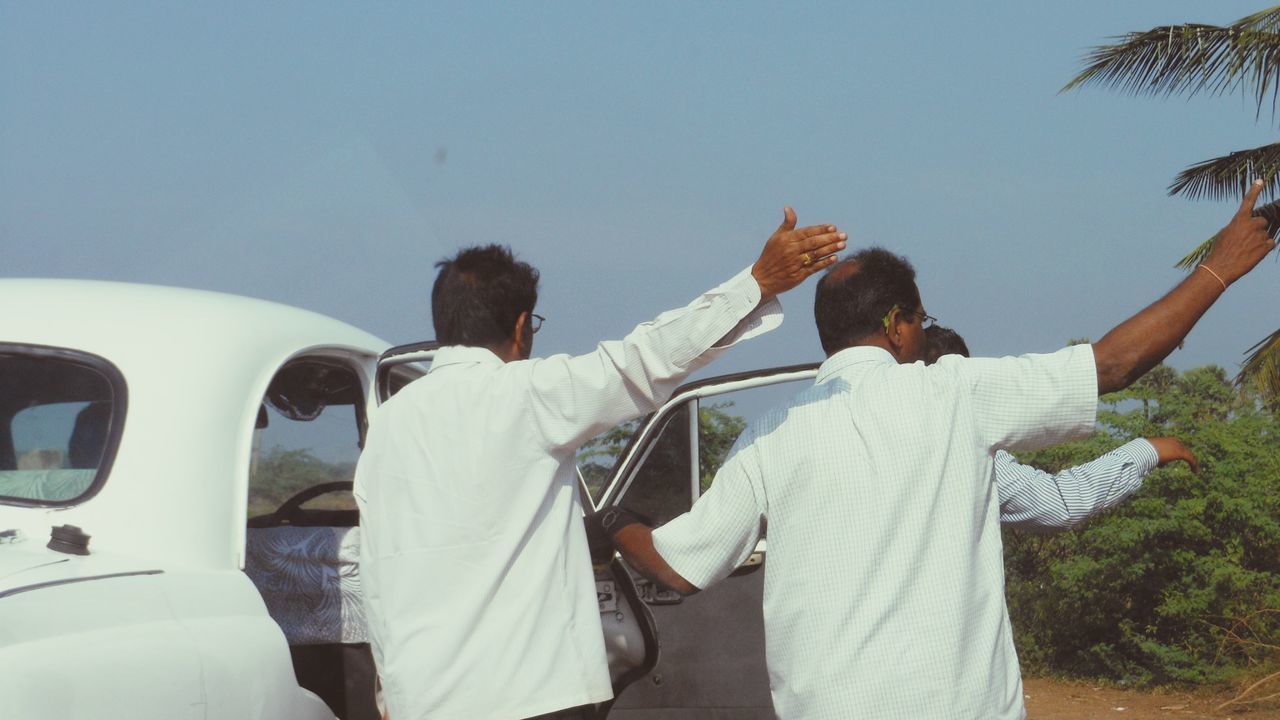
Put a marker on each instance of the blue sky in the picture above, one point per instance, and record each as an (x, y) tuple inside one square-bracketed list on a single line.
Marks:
[(325, 155)]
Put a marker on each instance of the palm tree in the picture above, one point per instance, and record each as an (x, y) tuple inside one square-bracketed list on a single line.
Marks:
[(1243, 57)]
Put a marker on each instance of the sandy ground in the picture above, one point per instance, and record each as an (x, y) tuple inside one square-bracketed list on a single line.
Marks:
[(1059, 700)]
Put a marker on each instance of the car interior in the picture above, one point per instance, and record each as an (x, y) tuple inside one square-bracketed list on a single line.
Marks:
[(302, 544)]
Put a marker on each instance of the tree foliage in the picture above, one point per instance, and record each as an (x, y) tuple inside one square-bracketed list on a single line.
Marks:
[(597, 458), (1243, 57), (1181, 583), (718, 430)]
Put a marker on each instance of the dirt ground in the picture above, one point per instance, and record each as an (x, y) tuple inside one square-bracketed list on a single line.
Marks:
[(1061, 700)]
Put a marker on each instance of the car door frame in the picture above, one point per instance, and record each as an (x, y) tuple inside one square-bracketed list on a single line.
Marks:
[(638, 448)]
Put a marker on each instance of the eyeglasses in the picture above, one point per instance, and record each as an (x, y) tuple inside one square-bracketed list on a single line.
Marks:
[(535, 322), (926, 320)]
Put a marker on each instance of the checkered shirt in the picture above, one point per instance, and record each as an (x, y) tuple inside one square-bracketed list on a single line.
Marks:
[(884, 584)]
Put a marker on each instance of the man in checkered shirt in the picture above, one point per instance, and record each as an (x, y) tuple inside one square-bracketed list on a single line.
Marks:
[(884, 587)]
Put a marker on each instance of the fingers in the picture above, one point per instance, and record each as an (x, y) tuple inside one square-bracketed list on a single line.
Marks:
[(812, 230), (1250, 199), (823, 263), (820, 246), (1171, 450), (788, 219), (1192, 462)]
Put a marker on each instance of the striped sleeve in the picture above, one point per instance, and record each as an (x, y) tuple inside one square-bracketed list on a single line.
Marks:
[(1035, 500)]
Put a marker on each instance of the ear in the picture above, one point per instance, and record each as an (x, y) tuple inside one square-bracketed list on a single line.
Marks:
[(517, 346), (522, 322), (893, 331), (893, 325), (522, 338)]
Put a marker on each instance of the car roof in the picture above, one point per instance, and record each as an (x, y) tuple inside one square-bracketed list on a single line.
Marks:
[(110, 318)]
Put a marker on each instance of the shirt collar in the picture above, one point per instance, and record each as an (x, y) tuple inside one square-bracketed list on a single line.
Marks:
[(462, 355), (851, 356)]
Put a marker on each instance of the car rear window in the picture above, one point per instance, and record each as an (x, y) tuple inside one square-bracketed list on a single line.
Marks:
[(61, 415)]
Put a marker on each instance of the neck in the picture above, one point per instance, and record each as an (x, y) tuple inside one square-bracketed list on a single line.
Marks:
[(504, 352), (879, 340)]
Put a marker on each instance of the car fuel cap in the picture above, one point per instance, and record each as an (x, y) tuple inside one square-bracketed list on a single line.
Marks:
[(69, 539)]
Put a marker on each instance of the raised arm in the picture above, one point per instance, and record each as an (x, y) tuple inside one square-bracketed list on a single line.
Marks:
[(1139, 343), (573, 398), (790, 255), (1034, 500)]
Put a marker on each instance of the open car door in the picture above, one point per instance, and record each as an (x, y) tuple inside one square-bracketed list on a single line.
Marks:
[(713, 659)]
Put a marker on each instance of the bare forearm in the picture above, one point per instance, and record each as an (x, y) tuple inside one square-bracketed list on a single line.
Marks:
[(1141, 342), (635, 542), (1137, 344)]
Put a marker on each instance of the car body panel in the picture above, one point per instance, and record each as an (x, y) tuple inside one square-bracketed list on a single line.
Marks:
[(158, 620), (180, 431)]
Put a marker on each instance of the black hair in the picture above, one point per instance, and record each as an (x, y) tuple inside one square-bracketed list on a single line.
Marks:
[(855, 295), (479, 294), (942, 341)]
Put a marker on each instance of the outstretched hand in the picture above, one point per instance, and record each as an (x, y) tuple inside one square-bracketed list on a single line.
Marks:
[(791, 255), (1242, 243), (1171, 450)]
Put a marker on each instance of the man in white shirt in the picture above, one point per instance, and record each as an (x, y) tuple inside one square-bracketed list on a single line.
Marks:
[(884, 586), (1037, 501), (474, 564)]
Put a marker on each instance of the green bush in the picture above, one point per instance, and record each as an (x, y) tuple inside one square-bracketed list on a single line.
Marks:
[(1180, 583)]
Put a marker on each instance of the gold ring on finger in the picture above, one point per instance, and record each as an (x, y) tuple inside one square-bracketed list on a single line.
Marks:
[(804, 257)]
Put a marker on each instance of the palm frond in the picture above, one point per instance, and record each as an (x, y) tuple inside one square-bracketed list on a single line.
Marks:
[(1262, 367), (1193, 258), (1267, 20), (1229, 176), (1191, 59), (1270, 211)]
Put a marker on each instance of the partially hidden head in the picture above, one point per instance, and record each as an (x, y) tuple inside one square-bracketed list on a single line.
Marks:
[(941, 341), (484, 297), (871, 298)]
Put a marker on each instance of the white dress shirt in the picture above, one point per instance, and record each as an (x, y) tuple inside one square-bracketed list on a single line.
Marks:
[(1037, 501), (884, 586), (477, 580)]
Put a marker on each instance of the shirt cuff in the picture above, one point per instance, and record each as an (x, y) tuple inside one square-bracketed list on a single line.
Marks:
[(764, 317), (1141, 453), (670, 541)]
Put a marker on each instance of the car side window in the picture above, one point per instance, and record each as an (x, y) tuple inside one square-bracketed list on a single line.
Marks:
[(61, 417), (680, 461), (598, 457), (659, 489), (307, 435)]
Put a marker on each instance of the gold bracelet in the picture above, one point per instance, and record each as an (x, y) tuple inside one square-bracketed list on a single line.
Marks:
[(1215, 275)]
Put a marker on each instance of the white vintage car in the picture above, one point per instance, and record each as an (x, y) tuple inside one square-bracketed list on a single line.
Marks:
[(178, 540)]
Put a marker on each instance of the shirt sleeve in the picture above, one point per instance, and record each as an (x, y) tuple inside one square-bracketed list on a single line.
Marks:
[(710, 541), (1037, 501), (574, 398), (1031, 401)]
